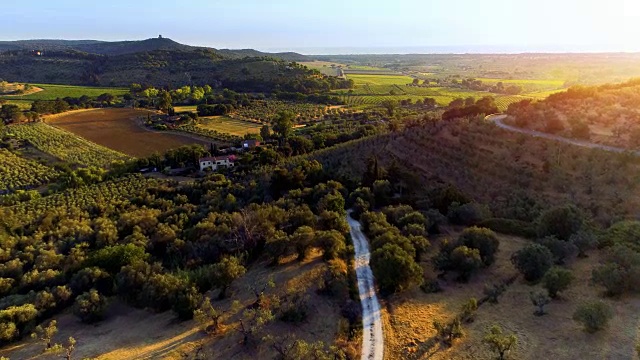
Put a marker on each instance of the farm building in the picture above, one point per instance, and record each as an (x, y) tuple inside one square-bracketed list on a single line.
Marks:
[(250, 144), (216, 162)]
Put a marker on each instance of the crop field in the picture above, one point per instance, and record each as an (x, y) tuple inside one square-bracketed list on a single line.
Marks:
[(539, 95), (378, 94), (366, 68), (119, 130), (374, 89), (503, 102), (64, 145), (22, 104), (227, 125), (52, 92), (264, 111), (18, 173), (187, 108), (363, 80), (528, 85)]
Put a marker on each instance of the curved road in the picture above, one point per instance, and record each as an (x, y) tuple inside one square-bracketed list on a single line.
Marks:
[(498, 120), (373, 338)]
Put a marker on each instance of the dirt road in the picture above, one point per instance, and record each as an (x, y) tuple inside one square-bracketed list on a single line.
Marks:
[(499, 121), (373, 338)]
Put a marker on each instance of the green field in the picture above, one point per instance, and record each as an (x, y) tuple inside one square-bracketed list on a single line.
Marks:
[(528, 85), (323, 66), (550, 82), (365, 67), (227, 125), (374, 89), (364, 80), (52, 92)]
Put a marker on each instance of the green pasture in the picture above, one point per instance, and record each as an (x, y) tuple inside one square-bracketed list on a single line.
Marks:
[(52, 92)]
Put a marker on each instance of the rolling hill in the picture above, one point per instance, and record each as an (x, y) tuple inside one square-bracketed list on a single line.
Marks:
[(159, 62), (114, 48)]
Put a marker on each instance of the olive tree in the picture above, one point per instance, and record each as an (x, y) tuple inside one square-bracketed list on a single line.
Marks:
[(557, 280), (539, 299), (45, 334), (498, 342)]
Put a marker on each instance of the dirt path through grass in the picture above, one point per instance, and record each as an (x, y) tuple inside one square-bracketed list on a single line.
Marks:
[(372, 337)]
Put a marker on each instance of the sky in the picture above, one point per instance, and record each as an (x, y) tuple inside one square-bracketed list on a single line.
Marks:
[(339, 26)]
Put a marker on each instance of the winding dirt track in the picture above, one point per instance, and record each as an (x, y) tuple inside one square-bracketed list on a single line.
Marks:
[(498, 120), (373, 338)]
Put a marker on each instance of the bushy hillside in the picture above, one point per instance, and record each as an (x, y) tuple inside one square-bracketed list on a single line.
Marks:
[(501, 168), (158, 67)]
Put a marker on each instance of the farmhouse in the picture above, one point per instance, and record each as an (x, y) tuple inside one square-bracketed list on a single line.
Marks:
[(250, 144), (216, 162)]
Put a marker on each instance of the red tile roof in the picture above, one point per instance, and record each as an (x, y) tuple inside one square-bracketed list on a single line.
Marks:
[(218, 158)]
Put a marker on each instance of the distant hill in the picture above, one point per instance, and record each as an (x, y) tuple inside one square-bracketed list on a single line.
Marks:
[(288, 56), (113, 48), (158, 62)]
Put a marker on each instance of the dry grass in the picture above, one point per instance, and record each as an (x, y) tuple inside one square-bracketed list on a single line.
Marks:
[(117, 129), (409, 332), (10, 88), (129, 333), (186, 108)]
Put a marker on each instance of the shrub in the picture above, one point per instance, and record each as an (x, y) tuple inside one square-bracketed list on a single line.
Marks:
[(332, 243), (561, 222), (226, 272), (620, 273), (625, 233), (90, 306), (561, 250), (394, 269), (465, 260), (468, 214), (594, 315), (431, 286), (448, 332), (186, 303), (493, 292), (584, 241), (91, 278), (533, 261), (556, 280), (510, 227), (294, 308), (468, 310), (482, 239), (113, 258)]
